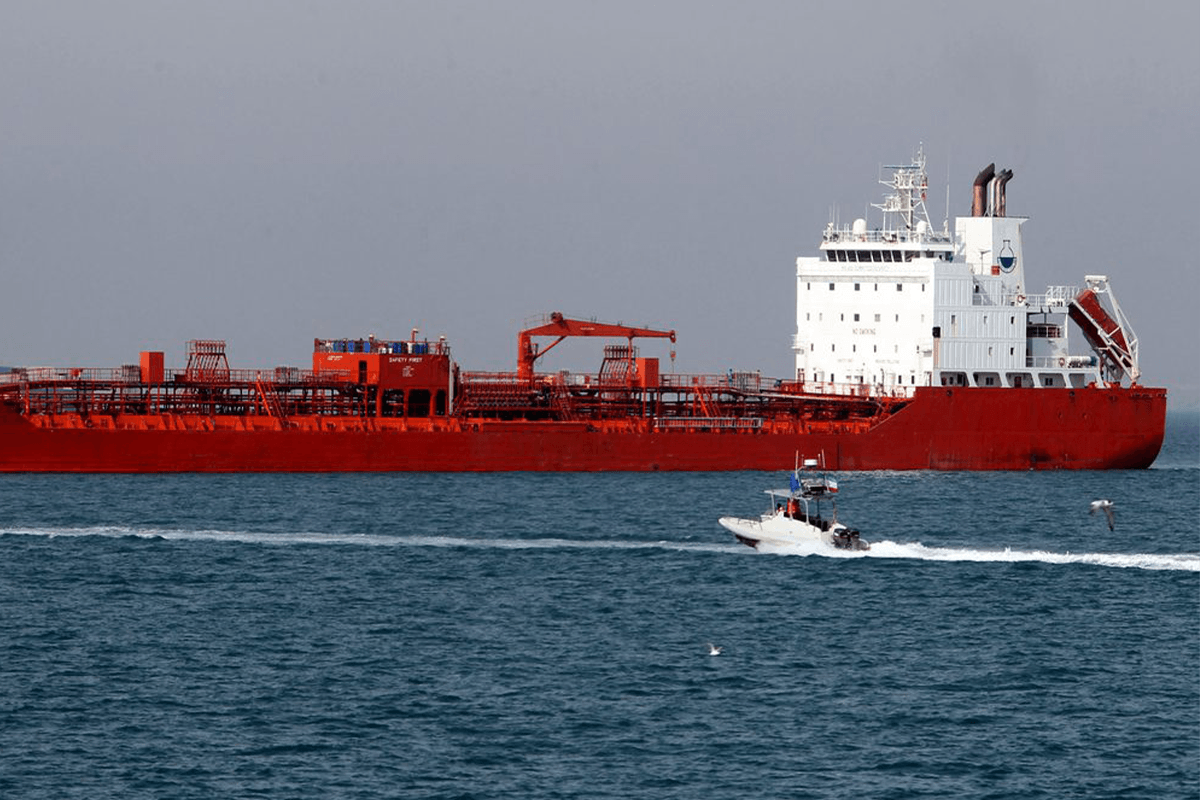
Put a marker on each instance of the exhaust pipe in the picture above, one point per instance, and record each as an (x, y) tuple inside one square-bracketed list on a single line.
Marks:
[(1001, 181), (979, 199)]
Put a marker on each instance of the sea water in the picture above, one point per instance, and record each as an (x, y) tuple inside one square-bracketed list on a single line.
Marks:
[(546, 636)]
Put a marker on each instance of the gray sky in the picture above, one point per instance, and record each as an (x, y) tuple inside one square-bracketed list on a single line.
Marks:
[(269, 172)]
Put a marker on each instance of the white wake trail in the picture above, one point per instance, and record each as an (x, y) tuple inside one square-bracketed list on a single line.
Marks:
[(368, 540), (1188, 562)]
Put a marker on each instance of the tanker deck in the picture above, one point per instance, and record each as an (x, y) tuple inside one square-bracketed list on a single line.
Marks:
[(380, 405)]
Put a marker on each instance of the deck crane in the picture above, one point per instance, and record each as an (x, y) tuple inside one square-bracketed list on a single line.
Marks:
[(562, 327)]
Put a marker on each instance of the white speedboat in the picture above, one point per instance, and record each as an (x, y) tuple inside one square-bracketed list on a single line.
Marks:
[(794, 516)]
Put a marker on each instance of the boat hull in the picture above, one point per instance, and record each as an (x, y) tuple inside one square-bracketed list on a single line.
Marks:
[(780, 531), (940, 429)]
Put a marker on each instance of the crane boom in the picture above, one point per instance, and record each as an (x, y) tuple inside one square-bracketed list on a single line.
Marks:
[(562, 327)]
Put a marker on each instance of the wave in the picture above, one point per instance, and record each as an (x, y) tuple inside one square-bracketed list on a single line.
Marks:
[(1187, 562)]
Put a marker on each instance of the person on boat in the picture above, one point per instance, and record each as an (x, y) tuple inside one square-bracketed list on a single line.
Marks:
[(793, 508)]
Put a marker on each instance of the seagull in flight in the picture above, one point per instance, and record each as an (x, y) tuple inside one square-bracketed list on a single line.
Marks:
[(713, 650), (1107, 507)]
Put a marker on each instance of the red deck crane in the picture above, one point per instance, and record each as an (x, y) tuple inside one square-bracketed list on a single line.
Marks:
[(562, 327)]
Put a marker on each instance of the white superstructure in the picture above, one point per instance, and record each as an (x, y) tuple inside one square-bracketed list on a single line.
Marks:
[(883, 310)]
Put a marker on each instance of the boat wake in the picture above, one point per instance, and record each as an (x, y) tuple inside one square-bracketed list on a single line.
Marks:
[(1187, 562), (369, 540)]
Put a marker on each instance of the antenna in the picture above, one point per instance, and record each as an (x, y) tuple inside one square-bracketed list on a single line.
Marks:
[(946, 222)]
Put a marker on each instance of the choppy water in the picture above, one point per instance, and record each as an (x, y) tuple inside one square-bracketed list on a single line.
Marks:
[(544, 636)]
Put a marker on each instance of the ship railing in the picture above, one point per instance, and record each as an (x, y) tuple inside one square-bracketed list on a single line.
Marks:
[(408, 347), (878, 235), (713, 423), (276, 375), (741, 381), (132, 373), (746, 382), (1059, 295), (483, 378), (1061, 362), (828, 388), (1054, 296)]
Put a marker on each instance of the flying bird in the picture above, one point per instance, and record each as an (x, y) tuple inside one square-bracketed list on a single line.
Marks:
[(713, 650), (1107, 507)]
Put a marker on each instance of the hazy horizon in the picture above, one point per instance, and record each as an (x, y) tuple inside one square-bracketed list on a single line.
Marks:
[(272, 172)]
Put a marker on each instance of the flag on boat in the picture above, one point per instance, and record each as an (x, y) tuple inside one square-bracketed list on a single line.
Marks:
[(795, 483)]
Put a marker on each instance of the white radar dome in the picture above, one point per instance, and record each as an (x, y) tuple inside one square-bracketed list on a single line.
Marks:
[(922, 228), (859, 228)]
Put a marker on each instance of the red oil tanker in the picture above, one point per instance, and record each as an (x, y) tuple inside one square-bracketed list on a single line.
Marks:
[(915, 349)]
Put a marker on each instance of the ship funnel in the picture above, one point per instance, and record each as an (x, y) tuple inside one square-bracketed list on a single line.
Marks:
[(1002, 180), (979, 199)]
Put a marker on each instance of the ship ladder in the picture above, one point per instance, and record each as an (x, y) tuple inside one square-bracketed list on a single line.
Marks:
[(701, 391), (560, 400), (270, 401)]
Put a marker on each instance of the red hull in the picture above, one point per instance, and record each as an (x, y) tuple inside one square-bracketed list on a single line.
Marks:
[(942, 429)]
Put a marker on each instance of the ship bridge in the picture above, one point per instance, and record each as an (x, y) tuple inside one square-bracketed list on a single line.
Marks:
[(905, 233), (885, 309)]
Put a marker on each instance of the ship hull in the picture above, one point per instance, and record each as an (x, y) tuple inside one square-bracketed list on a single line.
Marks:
[(940, 429)]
